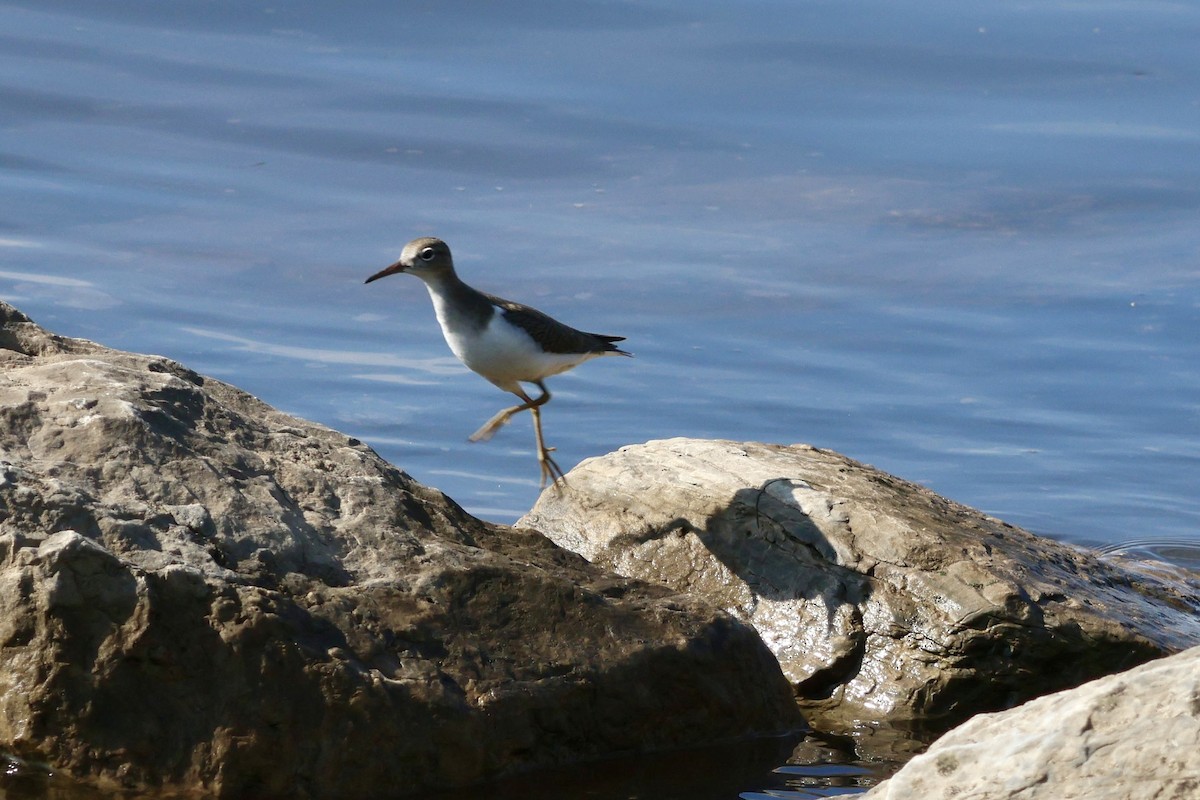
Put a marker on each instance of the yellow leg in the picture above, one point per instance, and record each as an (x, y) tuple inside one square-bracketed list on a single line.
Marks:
[(550, 469), (502, 417)]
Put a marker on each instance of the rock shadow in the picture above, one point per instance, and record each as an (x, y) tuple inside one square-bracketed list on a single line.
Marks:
[(773, 563)]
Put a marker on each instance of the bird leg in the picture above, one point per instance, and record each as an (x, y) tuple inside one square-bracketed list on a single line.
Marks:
[(502, 417), (549, 468)]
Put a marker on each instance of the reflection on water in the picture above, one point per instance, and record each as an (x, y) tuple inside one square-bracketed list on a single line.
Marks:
[(1177, 561), (431, 366), (1184, 552), (799, 767), (24, 780), (802, 767), (68, 292)]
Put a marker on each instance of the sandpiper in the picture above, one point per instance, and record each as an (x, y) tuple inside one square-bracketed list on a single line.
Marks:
[(508, 343)]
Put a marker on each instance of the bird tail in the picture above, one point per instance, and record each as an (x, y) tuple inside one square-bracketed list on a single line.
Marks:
[(609, 347)]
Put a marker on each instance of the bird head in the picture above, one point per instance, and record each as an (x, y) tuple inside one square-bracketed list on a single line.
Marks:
[(425, 257)]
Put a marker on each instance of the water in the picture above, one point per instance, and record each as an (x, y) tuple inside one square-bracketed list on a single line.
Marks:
[(813, 766), (954, 240)]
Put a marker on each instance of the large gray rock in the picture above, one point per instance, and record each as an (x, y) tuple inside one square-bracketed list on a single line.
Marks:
[(200, 593), (881, 600), (1132, 735)]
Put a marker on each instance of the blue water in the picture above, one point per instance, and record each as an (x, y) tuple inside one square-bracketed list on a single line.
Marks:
[(958, 241)]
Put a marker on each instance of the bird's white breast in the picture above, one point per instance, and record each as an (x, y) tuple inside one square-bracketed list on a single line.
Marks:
[(502, 352)]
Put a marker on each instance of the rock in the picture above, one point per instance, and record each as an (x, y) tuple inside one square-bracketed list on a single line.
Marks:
[(1136, 734), (881, 600), (202, 594)]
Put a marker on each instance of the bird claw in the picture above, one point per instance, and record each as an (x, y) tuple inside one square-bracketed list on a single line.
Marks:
[(489, 428), (550, 469)]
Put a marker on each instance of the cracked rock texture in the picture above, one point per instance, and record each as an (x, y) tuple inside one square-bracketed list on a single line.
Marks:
[(881, 600), (1133, 735), (202, 594)]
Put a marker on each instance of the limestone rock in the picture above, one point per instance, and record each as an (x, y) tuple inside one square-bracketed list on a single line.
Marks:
[(881, 600), (1132, 735), (200, 593)]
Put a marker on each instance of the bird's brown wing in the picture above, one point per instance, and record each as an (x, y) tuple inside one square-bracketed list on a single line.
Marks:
[(552, 335)]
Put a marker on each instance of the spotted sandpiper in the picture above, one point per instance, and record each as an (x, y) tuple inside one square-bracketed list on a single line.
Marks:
[(505, 342)]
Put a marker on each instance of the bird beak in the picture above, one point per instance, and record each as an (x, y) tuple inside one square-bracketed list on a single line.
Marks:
[(383, 273)]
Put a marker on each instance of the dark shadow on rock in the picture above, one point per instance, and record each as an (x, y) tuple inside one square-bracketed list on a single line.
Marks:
[(880, 599), (780, 555)]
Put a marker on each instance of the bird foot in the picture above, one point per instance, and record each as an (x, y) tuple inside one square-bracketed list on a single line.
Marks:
[(550, 469), (489, 428)]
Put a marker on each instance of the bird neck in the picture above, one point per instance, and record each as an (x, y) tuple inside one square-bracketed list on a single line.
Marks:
[(459, 307)]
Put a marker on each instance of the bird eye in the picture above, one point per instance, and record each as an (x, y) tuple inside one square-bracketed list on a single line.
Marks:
[(427, 254)]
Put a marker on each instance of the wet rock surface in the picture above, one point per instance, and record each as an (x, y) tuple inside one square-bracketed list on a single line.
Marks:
[(1133, 735), (881, 600), (200, 593)]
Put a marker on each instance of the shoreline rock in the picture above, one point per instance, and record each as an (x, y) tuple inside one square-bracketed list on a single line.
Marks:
[(201, 594), (1135, 734), (881, 600)]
